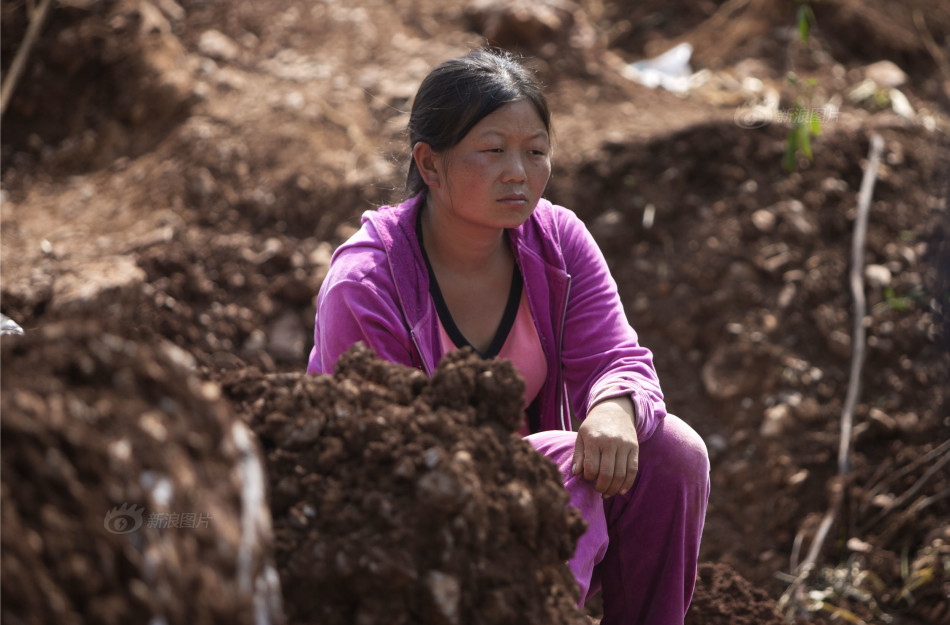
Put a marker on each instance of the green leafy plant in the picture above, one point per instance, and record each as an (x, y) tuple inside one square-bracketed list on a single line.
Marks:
[(902, 303), (805, 122), (805, 18)]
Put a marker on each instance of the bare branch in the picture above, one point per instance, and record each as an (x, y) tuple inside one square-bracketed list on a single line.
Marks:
[(930, 455), (860, 303), (19, 61), (858, 348), (938, 55), (911, 492), (911, 514)]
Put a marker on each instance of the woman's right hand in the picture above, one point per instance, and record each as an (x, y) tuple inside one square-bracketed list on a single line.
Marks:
[(607, 451)]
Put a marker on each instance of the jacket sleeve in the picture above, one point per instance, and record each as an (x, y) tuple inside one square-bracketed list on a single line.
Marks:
[(351, 310), (601, 355)]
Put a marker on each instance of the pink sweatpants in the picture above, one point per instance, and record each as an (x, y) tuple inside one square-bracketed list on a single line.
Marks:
[(640, 548)]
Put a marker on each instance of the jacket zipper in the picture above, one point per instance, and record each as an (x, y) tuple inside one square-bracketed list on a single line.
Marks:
[(560, 348), (422, 360)]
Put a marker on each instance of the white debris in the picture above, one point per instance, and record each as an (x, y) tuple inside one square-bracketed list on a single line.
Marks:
[(886, 74), (901, 104), (877, 275), (9, 326), (670, 70)]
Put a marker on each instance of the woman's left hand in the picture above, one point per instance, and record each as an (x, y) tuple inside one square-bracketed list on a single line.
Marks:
[(607, 449)]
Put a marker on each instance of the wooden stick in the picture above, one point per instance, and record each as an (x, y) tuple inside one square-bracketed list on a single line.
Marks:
[(857, 362), (939, 57), (860, 304), (19, 61)]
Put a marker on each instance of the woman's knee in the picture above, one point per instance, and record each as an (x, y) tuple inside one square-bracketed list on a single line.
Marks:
[(557, 446), (678, 449)]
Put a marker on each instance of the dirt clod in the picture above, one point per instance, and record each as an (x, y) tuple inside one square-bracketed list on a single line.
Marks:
[(130, 491), (415, 503)]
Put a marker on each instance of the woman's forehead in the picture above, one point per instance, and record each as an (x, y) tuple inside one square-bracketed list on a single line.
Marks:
[(515, 118)]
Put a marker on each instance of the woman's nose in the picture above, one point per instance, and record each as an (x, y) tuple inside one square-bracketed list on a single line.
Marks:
[(514, 169)]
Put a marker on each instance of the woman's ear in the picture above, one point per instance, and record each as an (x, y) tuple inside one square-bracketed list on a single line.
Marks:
[(428, 163)]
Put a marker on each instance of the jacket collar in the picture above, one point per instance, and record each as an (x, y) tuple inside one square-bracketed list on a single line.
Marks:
[(395, 228)]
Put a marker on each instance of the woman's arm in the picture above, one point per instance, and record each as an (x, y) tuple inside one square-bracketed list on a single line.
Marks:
[(349, 311), (609, 375), (601, 354)]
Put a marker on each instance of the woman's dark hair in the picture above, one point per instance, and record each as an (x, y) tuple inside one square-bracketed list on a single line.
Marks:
[(461, 92)]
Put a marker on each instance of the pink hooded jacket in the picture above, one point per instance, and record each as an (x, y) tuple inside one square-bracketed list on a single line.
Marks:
[(377, 291)]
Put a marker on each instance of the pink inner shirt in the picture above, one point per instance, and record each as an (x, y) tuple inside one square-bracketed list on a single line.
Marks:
[(523, 348)]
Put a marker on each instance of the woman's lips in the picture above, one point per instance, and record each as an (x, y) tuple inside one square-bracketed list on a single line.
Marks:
[(513, 199)]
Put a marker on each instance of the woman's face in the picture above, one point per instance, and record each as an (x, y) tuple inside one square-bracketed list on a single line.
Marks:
[(496, 174)]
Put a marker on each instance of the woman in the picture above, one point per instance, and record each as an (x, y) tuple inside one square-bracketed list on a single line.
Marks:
[(476, 257)]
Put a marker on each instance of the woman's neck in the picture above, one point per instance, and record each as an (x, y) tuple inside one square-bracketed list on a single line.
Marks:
[(460, 247)]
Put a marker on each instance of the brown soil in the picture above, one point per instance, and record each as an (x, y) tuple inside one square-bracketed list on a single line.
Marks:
[(409, 500), (129, 486), (723, 597), (178, 175)]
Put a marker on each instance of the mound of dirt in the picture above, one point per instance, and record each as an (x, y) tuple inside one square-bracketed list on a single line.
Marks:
[(740, 287), (726, 33), (107, 80), (723, 597), (131, 493), (398, 499)]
